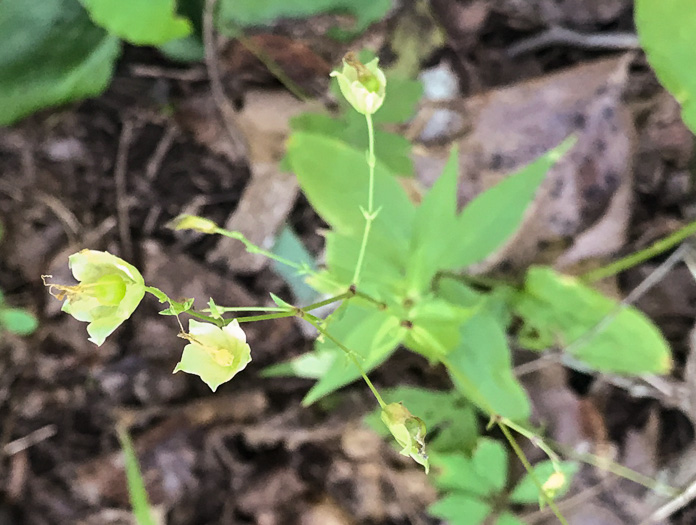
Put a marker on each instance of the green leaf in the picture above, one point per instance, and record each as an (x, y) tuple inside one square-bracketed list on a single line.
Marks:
[(434, 228), (492, 217), (435, 327), (383, 266), (483, 474), (18, 321), (508, 519), (481, 368), (334, 177), (136, 484), (667, 33), (143, 23), (527, 491), (50, 54), (311, 365), (558, 309), (187, 49), (403, 95), (371, 334), (450, 418), (460, 509), (232, 13)]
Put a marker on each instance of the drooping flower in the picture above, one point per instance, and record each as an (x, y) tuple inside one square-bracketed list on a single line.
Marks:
[(213, 353), (408, 430), (363, 85), (108, 292)]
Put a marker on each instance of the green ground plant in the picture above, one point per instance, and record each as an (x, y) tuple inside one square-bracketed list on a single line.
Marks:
[(395, 271)]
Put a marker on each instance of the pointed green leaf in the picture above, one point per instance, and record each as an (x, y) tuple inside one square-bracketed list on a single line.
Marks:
[(460, 509), (51, 54), (561, 310), (147, 23), (335, 177), (487, 221), (667, 33), (481, 368), (434, 228), (483, 474)]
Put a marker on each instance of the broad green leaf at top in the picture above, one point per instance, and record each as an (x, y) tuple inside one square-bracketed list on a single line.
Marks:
[(561, 310), (140, 22), (488, 220), (246, 13), (667, 33), (334, 177), (433, 226), (50, 54)]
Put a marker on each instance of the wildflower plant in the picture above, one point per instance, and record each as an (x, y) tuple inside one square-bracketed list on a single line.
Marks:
[(397, 274)]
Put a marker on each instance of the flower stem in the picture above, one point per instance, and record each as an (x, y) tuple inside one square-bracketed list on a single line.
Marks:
[(636, 258), (314, 321), (252, 248), (369, 214), (502, 424)]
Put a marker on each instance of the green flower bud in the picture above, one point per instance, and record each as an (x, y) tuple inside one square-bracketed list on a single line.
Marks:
[(214, 354), (363, 85), (193, 222), (408, 430), (108, 292)]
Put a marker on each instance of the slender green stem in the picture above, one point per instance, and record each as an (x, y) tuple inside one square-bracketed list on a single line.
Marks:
[(636, 258), (265, 317), (330, 300), (528, 467), (531, 436), (203, 317), (252, 248), (314, 322), (227, 309), (369, 214), (619, 470)]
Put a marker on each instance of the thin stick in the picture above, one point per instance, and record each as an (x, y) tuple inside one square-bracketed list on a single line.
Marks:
[(227, 113), (121, 192)]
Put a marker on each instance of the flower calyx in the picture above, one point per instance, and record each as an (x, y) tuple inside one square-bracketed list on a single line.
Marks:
[(408, 430)]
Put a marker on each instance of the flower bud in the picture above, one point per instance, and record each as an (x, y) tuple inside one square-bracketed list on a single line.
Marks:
[(214, 354), (408, 430), (363, 85), (193, 222), (108, 292)]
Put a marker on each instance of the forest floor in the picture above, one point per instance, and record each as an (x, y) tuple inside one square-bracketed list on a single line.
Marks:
[(109, 174)]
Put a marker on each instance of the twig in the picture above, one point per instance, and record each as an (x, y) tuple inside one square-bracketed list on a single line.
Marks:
[(228, 115), (120, 170), (31, 439), (560, 36), (186, 75), (672, 506), (155, 162)]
